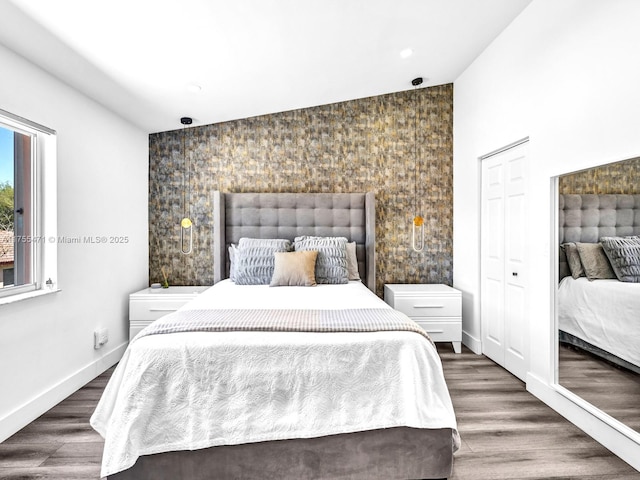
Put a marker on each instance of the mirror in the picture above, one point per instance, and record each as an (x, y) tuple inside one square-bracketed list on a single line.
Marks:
[(598, 320)]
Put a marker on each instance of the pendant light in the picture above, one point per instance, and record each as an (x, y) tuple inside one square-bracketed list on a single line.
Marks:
[(417, 235), (186, 225)]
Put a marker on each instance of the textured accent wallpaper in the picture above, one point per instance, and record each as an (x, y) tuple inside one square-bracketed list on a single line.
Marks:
[(355, 146), (620, 178)]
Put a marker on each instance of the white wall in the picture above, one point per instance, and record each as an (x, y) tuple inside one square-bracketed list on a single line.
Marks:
[(46, 343), (567, 75)]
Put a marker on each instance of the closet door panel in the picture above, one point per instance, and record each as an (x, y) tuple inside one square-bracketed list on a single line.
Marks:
[(504, 259), (516, 215), (493, 260)]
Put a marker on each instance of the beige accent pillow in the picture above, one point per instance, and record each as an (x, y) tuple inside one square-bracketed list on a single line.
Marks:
[(594, 261), (294, 269), (352, 261)]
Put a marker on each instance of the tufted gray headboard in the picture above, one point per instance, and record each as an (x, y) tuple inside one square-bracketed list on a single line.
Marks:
[(288, 215), (587, 218)]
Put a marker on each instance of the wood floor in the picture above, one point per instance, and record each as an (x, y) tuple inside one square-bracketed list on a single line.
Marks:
[(60, 444), (595, 379), (506, 434), (509, 434)]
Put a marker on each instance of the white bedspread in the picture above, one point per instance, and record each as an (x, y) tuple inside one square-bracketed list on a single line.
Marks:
[(605, 313), (185, 391)]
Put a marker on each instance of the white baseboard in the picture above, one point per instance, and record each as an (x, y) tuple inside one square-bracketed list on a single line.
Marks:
[(622, 441), (28, 412), (472, 343)]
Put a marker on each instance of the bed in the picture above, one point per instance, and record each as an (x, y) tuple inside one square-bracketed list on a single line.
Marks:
[(281, 404), (599, 315)]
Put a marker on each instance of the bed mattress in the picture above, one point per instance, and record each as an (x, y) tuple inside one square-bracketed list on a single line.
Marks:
[(193, 390), (603, 313)]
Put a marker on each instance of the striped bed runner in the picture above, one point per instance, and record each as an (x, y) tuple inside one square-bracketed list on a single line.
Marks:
[(284, 320)]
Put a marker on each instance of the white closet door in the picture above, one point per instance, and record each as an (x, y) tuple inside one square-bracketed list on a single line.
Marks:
[(492, 287), (504, 259)]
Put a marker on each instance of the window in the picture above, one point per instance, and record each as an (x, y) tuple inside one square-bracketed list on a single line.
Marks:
[(27, 205)]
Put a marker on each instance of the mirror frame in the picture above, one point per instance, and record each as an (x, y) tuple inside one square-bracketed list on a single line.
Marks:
[(555, 274)]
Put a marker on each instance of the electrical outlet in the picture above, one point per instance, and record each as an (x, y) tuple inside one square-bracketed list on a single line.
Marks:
[(100, 337)]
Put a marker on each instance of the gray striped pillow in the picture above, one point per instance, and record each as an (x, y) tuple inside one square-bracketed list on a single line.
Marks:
[(624, 255), (255, 259), (331, 264)]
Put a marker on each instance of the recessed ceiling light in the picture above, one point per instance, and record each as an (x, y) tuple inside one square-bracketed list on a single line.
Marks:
[(406, 53), (194, 88)]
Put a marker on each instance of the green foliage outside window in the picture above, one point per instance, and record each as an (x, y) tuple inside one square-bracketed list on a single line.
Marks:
[(6, 206)]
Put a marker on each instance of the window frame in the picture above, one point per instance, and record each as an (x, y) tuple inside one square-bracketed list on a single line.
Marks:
[(43, 209)]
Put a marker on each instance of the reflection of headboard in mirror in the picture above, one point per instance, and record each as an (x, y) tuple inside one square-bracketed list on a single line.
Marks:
[(587, 218)]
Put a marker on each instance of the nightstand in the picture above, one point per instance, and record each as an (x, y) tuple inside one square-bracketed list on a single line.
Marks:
[(435, 307), (150, 304)]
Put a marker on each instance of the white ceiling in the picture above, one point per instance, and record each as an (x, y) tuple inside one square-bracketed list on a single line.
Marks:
[(250, 57)]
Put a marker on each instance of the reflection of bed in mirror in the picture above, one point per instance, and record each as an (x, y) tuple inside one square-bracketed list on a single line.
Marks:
[(600, 314), (601, 317)]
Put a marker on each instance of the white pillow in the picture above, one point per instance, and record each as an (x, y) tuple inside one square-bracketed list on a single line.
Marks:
[(233, 261)]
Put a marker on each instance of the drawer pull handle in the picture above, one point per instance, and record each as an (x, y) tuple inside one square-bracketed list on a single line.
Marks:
[(435, 331), (163, 309), (428, 306)]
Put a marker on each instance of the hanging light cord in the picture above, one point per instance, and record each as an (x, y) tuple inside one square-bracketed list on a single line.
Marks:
[(187, 161), (417, 241), (416, 82), (186, 225), (184, 175), (415, 149)]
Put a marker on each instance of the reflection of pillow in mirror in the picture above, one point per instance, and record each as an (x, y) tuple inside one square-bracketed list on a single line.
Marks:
[(563, 264), (573, 259), (594, 261), (624, 254), (294, 269), (352, 261)]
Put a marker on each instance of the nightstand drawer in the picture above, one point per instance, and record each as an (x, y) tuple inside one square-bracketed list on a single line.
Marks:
[(153, 308), (429, 306), (434, 306), (150, 304), (442, 331)]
